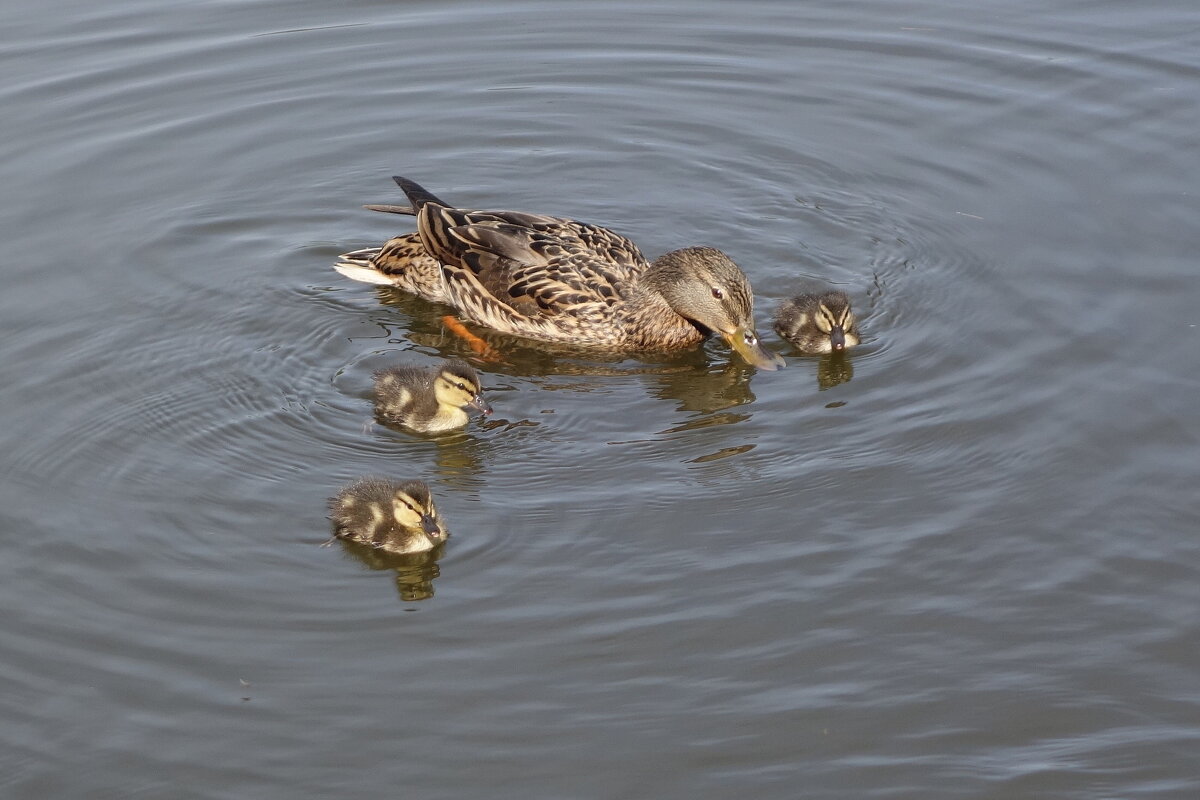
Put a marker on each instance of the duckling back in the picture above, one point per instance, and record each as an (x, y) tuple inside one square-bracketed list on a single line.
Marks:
[(404, 395)]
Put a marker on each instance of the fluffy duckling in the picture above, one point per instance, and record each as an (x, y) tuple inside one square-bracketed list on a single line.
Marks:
[(396, 517), (818, 323), (429, 400), (560, 280)]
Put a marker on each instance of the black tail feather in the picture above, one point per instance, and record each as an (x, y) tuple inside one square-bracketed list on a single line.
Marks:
[(417, 194), (409, 210)]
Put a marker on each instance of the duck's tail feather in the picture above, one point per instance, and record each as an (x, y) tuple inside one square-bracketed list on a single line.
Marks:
[(409, 210), (360, 266), (417, 194)]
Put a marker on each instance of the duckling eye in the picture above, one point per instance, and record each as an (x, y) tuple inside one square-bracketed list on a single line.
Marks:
[(717, 293), (461, 387)]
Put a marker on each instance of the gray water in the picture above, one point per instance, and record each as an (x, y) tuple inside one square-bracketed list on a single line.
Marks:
[(963, 562)]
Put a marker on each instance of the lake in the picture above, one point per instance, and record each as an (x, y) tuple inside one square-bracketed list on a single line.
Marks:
[(961, 561)]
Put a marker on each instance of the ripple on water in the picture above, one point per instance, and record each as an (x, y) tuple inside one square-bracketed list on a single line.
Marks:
[(957, 557)]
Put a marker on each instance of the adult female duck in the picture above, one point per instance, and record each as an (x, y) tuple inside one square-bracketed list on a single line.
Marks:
[(560, 280)]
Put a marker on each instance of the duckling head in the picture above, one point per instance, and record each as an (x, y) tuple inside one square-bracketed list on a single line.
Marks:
[(835, 318), (818, 323), (412, 506), (703, 285), (458, 386)]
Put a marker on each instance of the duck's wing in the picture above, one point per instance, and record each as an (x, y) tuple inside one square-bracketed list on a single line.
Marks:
[(527, 273), (537, 265), (620, 255)]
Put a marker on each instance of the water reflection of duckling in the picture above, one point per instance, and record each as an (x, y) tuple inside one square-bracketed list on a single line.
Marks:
[(429, 400), (818, 323), (834, 369), (414, 573), (396, 517)]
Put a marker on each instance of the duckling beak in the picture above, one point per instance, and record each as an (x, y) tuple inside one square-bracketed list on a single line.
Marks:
[(837, 339), (430, 526), (744, 341), (480, 405)]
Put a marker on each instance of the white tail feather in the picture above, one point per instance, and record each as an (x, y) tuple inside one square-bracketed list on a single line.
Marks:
[(360, 272)]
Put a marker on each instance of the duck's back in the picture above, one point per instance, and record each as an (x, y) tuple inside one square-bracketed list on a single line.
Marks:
[(794, 314), (549, 278), (537, 265), (363, 511), (405, 395)]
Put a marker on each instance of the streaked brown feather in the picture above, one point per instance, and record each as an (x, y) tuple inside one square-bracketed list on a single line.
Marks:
[(558, 279)]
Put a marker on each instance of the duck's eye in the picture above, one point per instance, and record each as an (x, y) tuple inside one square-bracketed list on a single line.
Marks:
[(461, 387), (717, 293)]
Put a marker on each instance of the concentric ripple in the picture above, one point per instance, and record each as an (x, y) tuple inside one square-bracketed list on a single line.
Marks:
[(957, 561)]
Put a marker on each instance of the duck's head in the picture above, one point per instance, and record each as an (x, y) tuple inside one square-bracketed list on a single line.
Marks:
[(458, 386), (834, 319), (412, 506), (818, 323), (703, 285)]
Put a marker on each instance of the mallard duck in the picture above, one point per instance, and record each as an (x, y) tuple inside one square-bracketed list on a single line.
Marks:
[(818, 323), (559, 280), (429, 400), (397, 517)]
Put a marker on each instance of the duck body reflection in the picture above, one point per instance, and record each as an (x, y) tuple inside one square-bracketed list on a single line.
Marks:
[(413, 573)]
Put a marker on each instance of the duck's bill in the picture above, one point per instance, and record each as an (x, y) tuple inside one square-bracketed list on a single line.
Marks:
[(480, 405), (745, 343), (837, 339)]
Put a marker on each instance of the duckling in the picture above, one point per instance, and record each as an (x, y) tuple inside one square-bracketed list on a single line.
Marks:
[(559, 280), (818, 323), (429, 400), (396, 517)]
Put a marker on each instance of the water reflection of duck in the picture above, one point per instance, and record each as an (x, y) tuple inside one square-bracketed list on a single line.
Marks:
[(429, 400), (414, 572), (834, 369), (395, 517), (559, 280), (818, 323), (706, 388)]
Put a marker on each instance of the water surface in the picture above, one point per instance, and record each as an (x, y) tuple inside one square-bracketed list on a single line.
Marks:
[(960, 562)]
